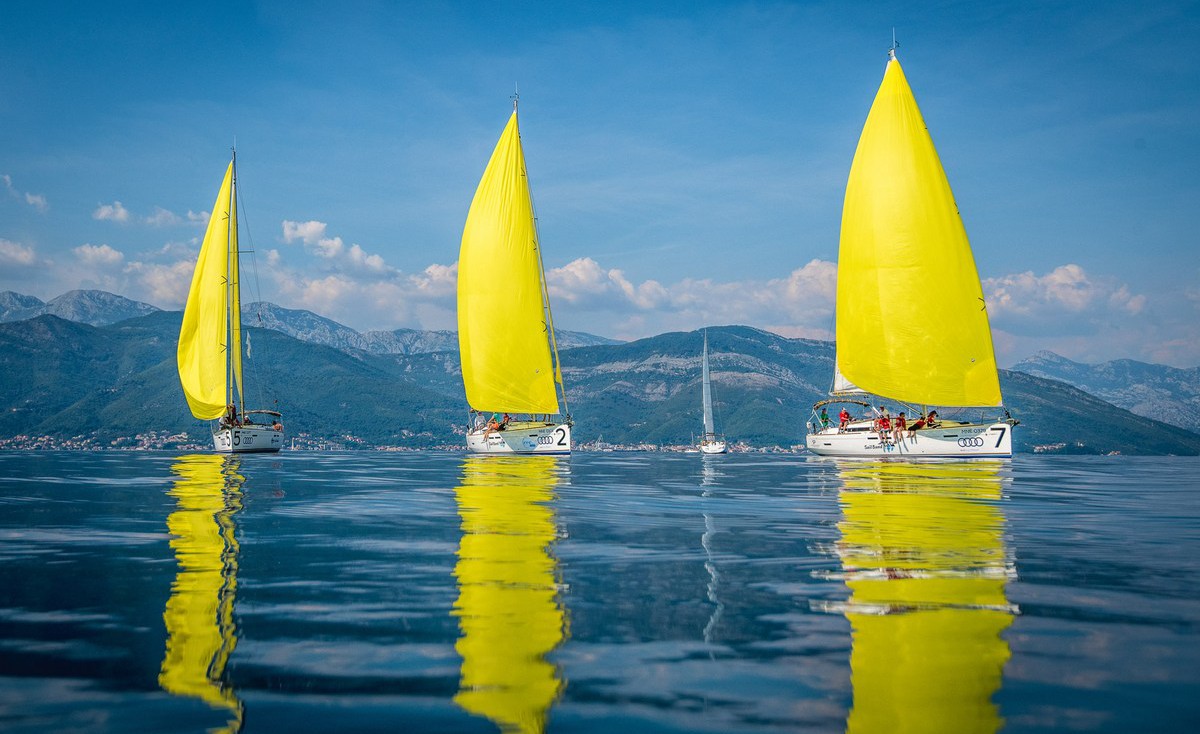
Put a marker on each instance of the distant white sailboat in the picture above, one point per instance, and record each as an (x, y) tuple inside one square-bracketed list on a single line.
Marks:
[(712, 442), (209, 355), (912, 324), (506, 339)]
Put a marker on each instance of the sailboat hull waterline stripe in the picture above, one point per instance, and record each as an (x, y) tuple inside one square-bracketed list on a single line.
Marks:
[(911, 319)]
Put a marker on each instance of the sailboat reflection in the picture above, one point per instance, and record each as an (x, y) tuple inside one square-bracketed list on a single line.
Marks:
[(201, 634), (923, 553), (708, 478), (508, 607)]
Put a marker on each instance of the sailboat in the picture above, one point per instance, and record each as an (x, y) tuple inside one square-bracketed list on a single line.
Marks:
[(210, 339), (711, 442), (912, 324), (511, 372)]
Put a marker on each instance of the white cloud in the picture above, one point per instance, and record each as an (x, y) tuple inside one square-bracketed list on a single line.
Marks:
[(164, 285), (1067, 291), (799, 305), (340, 258), (14, 253), (163, 218), (37, 201), (113, 212), (98, 255), (307, 232), (198, 217)]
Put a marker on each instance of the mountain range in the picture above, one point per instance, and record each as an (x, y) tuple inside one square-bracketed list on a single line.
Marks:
[(100, 308), (1168, 394), (66, 378), (97, 308)]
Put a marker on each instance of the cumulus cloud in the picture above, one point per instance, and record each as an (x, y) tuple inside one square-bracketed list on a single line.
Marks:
[(98, 255), (114, 212), (307, 232), (198, 217), (16, 254), (359, 287), (163, 284), (340, 258), (800, 304), (37, 201), (1067, 292), (163, 218)]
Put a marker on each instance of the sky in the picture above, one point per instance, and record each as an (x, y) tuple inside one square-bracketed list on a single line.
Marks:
[(688, 159)]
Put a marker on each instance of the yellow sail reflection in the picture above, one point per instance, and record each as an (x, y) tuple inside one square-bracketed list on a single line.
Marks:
[(508, 607), (923, 552), (199, 615)]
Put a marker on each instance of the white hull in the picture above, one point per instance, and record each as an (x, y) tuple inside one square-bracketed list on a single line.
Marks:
[(949, 441), (713, 447), (247, 440), (522, 438)]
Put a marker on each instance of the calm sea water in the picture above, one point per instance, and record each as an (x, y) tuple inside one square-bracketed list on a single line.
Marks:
[(604, 592)]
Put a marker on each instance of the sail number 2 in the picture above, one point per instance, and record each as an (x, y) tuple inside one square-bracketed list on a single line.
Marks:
[(548, 440)]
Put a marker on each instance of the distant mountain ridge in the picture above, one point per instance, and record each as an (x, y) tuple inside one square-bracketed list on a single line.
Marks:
[(65, 378), (1167, 394), (100, 308), (107, 384), (97, 308)]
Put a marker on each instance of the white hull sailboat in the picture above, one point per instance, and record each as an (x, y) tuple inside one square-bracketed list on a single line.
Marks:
[(210, 338), (912, 325), (511, 372), (712, 442)]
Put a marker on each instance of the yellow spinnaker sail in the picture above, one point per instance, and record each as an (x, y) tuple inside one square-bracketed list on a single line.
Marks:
[(204, 334), (502, 325), (201, 634), (508, 607), (911, 323), (923, 552)]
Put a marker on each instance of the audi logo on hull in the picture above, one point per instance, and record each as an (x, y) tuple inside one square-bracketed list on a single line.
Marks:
[(970, 442)]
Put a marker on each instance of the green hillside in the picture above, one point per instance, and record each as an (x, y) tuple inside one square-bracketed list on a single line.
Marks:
[(65, 379)]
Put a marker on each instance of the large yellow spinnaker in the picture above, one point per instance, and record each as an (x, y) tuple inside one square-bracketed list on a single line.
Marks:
[(204, 334), (911, 322), (503, 332), (922, 548), (508, 607), (201, 633)]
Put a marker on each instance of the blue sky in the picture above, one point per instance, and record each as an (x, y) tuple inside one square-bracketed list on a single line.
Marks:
[(688, 159)]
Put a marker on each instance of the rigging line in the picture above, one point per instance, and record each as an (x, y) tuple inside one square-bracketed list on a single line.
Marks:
[(537, 242), (259, 383)]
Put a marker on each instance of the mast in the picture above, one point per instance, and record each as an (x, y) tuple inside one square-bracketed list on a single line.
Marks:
[(233, 297), (706, 390), (229, 282)]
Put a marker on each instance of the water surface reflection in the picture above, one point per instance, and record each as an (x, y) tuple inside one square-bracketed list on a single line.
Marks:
[(508, 606), (201, 633), (922, 550)]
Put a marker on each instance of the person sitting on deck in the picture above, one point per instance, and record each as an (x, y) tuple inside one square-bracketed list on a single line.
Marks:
[(931, 419), (843, 419), (824, 419), (900, 429), (883, 425)]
